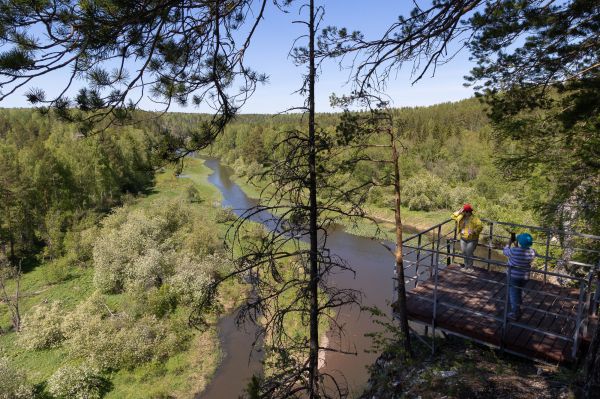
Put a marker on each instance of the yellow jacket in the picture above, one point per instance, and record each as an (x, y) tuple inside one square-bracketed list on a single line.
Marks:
[(468, 229)]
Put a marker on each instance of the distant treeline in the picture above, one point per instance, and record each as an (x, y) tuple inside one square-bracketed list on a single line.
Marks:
[(53, 181), (448, 156)]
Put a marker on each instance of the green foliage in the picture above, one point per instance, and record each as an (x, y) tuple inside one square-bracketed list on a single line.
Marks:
[(111, 341), (193, 277), (140, 339), (161, 301), (193, 195), (447, 156), (53, 182), (225, 215), (57, 270), (13, 382), (138, 249), (41, 327), (544, 103), (78, 382), (424, 192)]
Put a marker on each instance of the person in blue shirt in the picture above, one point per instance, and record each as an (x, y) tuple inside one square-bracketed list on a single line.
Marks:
[(520, 258)]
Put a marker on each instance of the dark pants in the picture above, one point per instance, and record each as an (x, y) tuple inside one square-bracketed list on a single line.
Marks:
[(515, 296)]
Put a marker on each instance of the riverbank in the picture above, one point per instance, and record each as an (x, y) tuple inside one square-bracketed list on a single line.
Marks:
[(384, 228), (182, 374)]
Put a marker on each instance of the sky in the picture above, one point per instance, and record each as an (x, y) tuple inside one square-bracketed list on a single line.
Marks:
[(269, 54)]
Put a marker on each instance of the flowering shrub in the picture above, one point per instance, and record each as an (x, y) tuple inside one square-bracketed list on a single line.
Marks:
[(13, 382), (134, 248), (113, 341), (192, 277), (41, 327), (77, 382)]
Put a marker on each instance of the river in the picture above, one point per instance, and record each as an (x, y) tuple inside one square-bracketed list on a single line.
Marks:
[(374, 267)]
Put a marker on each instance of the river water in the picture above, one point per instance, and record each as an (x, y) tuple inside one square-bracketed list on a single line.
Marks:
[(374, 267)]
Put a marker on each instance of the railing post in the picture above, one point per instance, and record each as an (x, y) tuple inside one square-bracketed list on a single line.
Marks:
[(548, 238), (454, 244), (448, 258), (435, 301), (578, 321), (505, 316), (418, 259), (490, 244), (597, 292), (432, 257)]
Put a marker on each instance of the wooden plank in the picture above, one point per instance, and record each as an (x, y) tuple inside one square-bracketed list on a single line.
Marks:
[(557, 346), (550, 347), (523, 335)]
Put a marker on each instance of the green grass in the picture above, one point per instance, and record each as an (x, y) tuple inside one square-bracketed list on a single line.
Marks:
[(169, 186), (183, 374)]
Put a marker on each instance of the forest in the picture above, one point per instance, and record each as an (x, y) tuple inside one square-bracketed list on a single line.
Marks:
[(137, 244)]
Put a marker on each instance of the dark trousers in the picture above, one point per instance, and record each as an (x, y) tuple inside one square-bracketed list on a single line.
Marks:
[(515, 295)]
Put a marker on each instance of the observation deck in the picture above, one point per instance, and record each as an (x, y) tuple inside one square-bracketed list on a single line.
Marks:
[(560, 299)]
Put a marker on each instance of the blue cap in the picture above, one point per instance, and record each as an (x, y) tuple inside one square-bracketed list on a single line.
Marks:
[(525, 240)]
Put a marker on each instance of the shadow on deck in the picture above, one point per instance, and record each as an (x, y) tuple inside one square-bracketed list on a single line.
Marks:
[(556, 318)]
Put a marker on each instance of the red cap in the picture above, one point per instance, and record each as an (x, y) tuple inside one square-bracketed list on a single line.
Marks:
[(467, 208)]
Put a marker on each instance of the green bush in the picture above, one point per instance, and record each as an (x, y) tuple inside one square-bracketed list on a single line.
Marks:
[(57, 270), (111, 341), (380, 197), (425, 192), (193, 195), (459, 195), (135, 247), (41, 327), (193, 277), (161, 301), (79, 244), (225, 215), (239, 167), (13, 382), (78, 382), (201, 239)]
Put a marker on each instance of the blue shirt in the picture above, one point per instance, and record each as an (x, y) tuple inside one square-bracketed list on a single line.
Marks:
[(520, 259)]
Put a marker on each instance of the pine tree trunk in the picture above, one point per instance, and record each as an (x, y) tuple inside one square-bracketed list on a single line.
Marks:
[(314, 267), (401, 303)]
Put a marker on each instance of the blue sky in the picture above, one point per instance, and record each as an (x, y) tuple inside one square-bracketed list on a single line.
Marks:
[(269, 54), (372, 17)]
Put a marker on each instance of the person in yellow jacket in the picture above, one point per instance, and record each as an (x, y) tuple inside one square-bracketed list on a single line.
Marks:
[(468, 228)]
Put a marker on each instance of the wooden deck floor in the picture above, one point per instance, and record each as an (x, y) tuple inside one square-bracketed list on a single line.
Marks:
[(460, 294)]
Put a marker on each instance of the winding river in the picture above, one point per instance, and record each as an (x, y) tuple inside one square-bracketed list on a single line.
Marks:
[(374, 271)]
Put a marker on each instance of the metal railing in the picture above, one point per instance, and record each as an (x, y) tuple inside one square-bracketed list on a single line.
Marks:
[(567, 259)]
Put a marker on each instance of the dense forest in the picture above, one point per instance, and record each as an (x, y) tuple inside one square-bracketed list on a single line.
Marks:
[(55, 183)]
